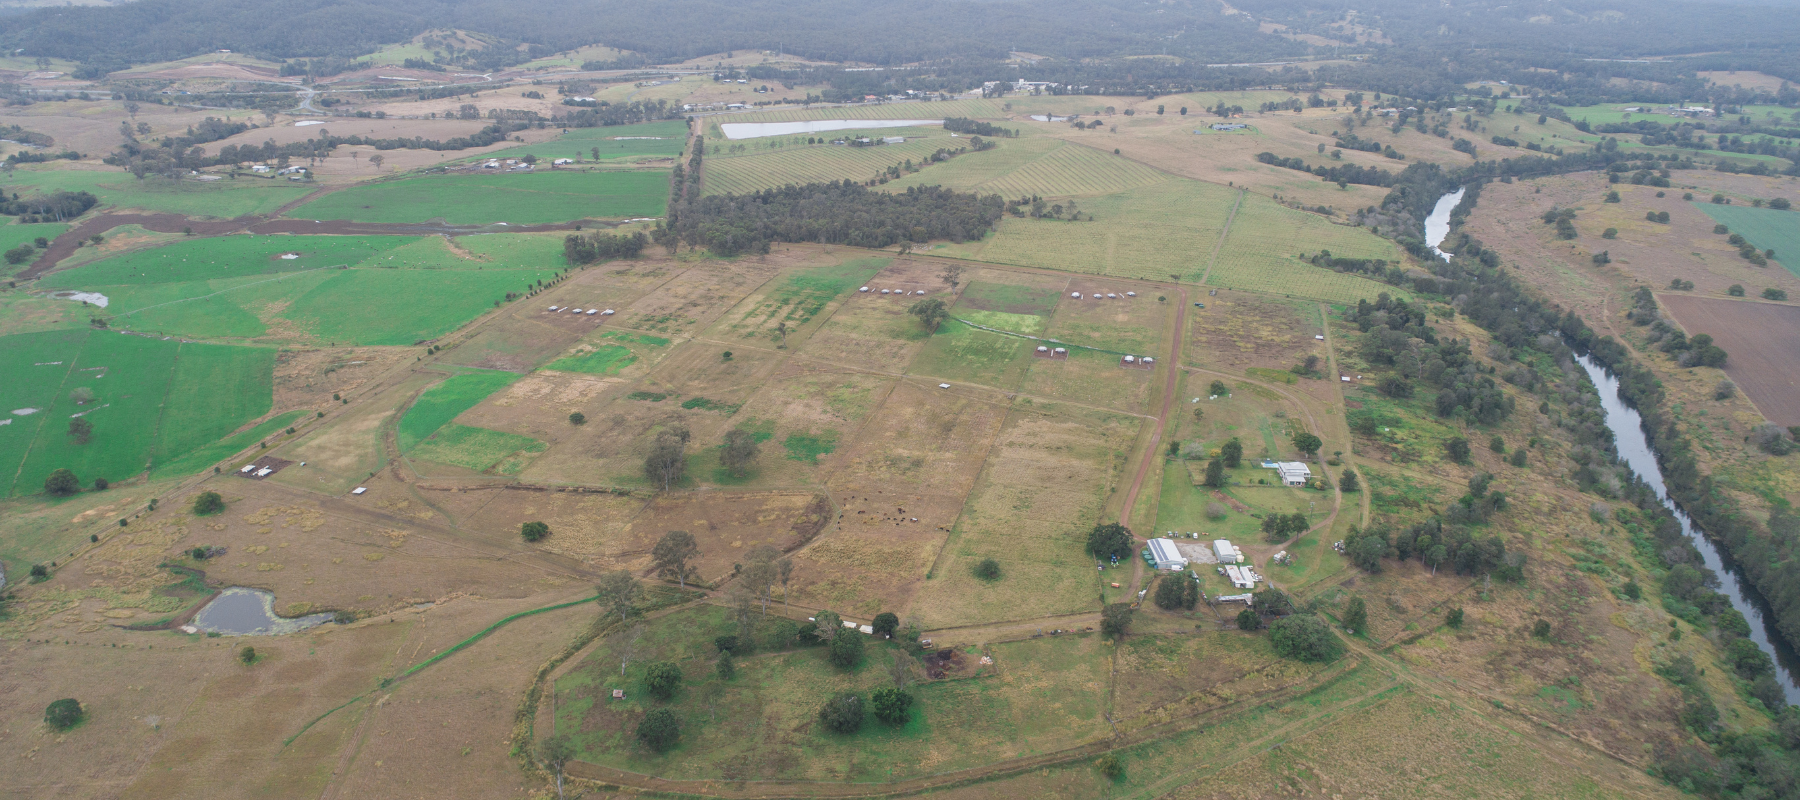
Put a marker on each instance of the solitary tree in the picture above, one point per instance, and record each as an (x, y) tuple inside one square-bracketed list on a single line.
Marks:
[(843, 713), (64, 714), (1304, 637), (1457, 449), (739, 451), (81, 430), (533, 531), (1454, 618), (1115, 620), (247, 656), (555, 753), (1307, 444), (659, 730), (662, 680), (668, 456), (1110, 540), (886, 623), (1218, 389), (1349, 482), (1232, 453), (891, 705), (617, 593), (987, 569), (208, 503), (952, 275), (1170, 593), (1356, 615), (671, 553), (577, 418), (846, 648), (931, 312), (62, 483), (1215, 473)]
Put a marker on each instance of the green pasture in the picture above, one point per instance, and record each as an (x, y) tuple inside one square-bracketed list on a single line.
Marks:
[(155, 401), (117, 189), (1010, 298), (616, 143), (778, 161), (440, 404), (796, 299), (1036, 166), (549, 196), (606, 359), (958, 352), (1765, 228), (1150, 232), (199, 459), (378, 290)]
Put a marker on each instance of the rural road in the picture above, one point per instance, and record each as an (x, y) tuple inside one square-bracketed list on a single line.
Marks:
[(1153, 448)]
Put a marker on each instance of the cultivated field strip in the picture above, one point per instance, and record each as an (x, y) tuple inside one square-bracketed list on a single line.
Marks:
[(1261, 254)]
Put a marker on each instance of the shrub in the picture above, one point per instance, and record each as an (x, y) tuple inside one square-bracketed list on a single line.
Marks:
[(1541, 629), (247, 656), (1725, 390), (885, 624), (1115, 620), (1773, 293), (1457, 449), (61, 483), (534, 531), (100, 484), (1610, 233), (843, 713), (64, 714), (1249, 620), (1215, 511), (662, 680), (988, 569), (208, 503), (727, 668), (1356, 615), (577, 418), (659, 730), (1305, 637), (1455, 618), (1110, 767), (891, 705), (39, 572), (1349, 482)]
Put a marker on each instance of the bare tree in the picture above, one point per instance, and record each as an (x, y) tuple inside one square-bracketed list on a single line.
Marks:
[(668, 456), (556, 752), (952, 275), (761, 573), (784, 569), (629, 651)]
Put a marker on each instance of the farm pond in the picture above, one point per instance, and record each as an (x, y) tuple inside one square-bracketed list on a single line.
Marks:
[(242, 611), (755, 130)]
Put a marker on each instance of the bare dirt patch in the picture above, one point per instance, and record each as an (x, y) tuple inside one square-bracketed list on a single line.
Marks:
[(1238, 331), (1764, 342)]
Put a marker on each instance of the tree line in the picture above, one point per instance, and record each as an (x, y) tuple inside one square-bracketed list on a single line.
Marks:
[(841, 212)]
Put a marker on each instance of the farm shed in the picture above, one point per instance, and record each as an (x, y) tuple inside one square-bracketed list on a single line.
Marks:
[(1163, 555), (1227, 553)]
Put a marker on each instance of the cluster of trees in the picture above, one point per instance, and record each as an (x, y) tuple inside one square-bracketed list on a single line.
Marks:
[(1342, 174), (597, 246), (833, 213), (1445, 539), (1037, 208), (1377, 268), (1396, 335), (54, 207), (1176, 592), (1563, 219), (607, 114), (1299, 634), (1281, 527), (971, 127), (1695, 351)]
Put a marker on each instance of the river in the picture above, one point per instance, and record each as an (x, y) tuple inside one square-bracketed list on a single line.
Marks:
[(1634, 449)]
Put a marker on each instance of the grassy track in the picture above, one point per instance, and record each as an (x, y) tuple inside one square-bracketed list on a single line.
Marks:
[(480, 199), (1765, 228)]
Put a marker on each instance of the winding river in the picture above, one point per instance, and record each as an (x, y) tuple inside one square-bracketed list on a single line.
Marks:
[(1634, 449)]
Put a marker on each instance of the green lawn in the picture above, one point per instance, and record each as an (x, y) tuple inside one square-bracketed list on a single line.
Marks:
[(1765, 228), (477, 449), (441, 403), (156, 401), (607, 359), (13, 234), (515, 198)]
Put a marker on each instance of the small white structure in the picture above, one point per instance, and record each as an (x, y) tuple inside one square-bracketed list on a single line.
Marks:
[(553, 308), (884, 291), (1149, 360), (561, 161), (1344, 378), (1111, 296), (263, 472), (1076, 295), (867, 629), (1241, 577), (1062, 351), (1164, 556), (1043, 349), (1246, 599), (863, 289), (943, 386), (1293, 473), (849, 624), (1131, 294), (593, 311), (893, 140), (1319, 336), (359, 490), (247, 468), (607, 313), (1130, 359), (1226, 552)]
